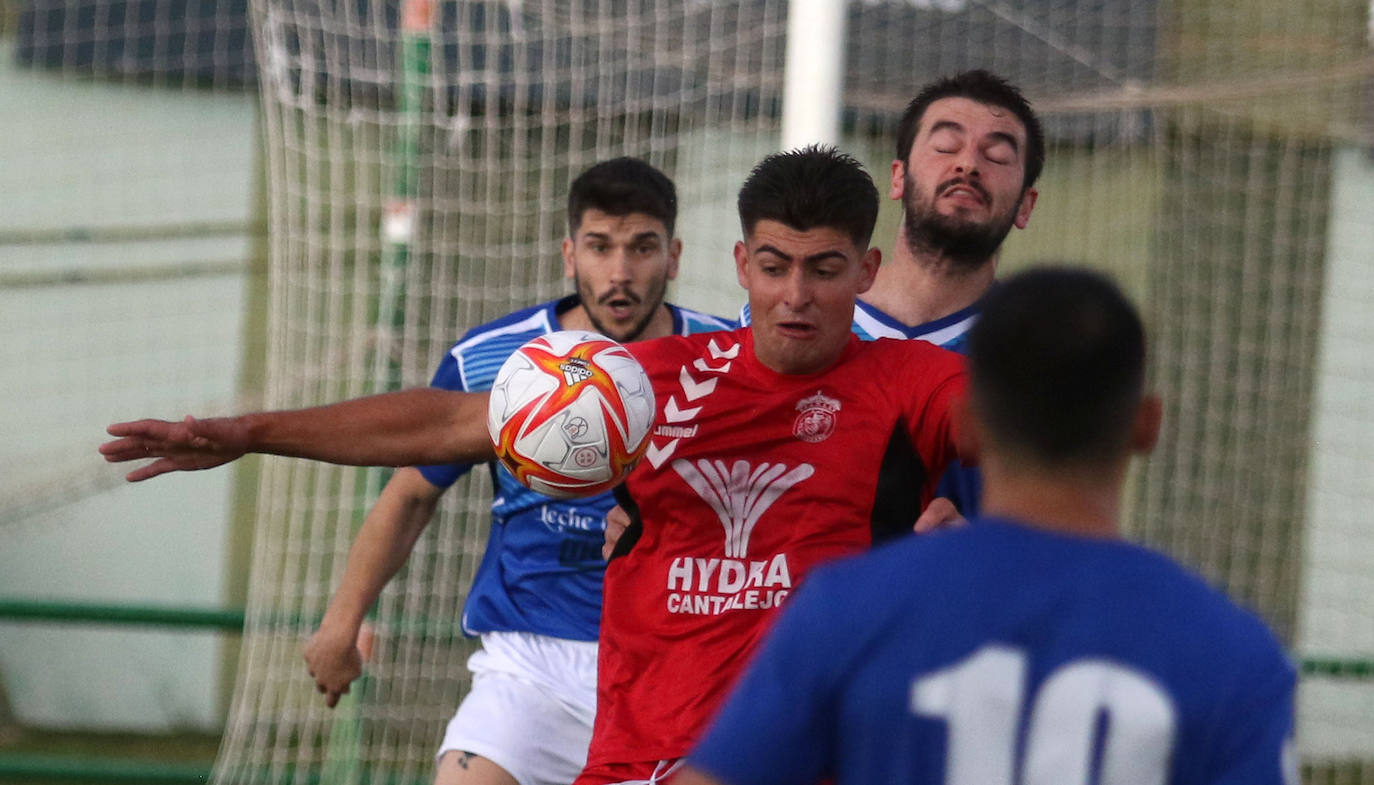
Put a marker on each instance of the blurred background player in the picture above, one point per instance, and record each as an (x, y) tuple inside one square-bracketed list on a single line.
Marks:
[(780, 431), (1035, 646), (536, 598), (969, 150)]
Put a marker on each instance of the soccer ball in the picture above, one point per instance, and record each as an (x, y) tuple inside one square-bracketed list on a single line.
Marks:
[(570, 413)]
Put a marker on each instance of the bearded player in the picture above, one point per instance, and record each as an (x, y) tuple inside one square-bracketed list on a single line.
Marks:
[(968, 153)]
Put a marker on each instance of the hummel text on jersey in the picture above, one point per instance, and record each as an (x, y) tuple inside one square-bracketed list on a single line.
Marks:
[(708, 587), (676, 431)]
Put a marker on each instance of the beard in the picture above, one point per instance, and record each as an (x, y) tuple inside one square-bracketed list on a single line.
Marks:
[(968, 245), (654, 297)]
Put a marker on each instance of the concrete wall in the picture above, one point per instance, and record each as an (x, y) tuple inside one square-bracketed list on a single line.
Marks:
[(122, 285)]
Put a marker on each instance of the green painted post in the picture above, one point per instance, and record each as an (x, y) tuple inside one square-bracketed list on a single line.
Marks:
[(343, 757)]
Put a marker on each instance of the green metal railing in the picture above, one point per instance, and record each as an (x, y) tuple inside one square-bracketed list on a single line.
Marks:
[(23, 767), (229, 619), (83, 769)]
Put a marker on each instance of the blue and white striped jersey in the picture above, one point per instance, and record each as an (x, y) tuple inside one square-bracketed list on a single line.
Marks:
[(542, 569), (949, 332)]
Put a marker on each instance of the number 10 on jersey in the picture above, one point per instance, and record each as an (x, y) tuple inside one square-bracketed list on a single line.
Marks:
[(1089, 715)]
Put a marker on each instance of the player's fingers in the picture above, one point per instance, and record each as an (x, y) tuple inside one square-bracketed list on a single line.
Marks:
[(126, 428), (126, 449), (156, 429), (367, 636), (614, 529), (939, 514), (154, 469)]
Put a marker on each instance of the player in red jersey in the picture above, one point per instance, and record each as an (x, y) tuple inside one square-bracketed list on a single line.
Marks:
[(765, 461)]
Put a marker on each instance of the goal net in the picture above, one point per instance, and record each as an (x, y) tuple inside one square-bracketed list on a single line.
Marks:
[(1212, 154)]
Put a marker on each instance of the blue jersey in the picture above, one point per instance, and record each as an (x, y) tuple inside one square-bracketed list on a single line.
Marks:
[(961, 485), (999, 654), (542, 569)]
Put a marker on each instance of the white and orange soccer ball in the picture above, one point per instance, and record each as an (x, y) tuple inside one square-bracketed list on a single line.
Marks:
[(570, 413)]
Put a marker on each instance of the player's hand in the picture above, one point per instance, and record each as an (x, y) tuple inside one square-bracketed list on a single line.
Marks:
[(334, 658), (939, 514), (189, 445), (617, 521)]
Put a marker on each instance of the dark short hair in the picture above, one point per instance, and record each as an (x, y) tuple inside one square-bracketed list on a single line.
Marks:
[(986, 88), (808, 188), (1057, 366), (621, 186)]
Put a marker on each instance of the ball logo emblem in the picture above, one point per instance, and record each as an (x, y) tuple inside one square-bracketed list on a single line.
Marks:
[(576, 427), (570, 413)]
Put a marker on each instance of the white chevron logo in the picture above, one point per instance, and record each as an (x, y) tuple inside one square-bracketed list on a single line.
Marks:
[(693, 389), (656, 455), (672, 413), (718, 354), (739, 494), (701, 365)]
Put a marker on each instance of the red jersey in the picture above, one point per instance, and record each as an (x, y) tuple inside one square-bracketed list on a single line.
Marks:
[(752, 477)]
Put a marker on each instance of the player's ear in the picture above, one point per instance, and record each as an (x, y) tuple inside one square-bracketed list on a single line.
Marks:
[(966, 439), (742, 265), (1148, 417), (569, 268), (870, 262), (674, 255), (1023, 212), (897, 188)]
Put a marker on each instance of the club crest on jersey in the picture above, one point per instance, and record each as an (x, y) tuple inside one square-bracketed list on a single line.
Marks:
[(575, 371), (816, 418)]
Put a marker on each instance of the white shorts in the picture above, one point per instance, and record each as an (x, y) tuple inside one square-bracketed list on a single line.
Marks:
[(531, 707)]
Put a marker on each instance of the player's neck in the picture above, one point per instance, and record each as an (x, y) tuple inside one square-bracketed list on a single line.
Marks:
[(915, 291), (1085, 504), (661, 325)]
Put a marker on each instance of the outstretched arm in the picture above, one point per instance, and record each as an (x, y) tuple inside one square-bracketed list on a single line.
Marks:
[(406, 428)]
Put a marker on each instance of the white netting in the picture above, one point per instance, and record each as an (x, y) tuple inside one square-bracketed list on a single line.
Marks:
[(418, 175), (1193, 148)]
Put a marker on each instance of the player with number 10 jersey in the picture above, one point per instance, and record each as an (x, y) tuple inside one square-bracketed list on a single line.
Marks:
[(950, 652), (1034, 646)]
